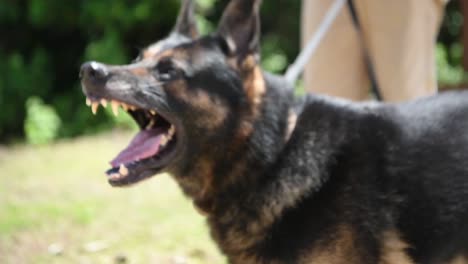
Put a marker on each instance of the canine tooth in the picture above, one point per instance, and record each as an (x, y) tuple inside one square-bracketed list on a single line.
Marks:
[(152, 112), (123, 170), (104, 103), (115, 176), (125, 107), (133, 108), (94, 107), (171, 130), (150, 124), (115, 107), (170, 133), (169, 138), (88, 102), (164, 141)]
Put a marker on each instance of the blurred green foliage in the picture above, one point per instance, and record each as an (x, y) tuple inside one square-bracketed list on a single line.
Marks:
[(449, 50), (449, 75), (44, 43), (42, 122)]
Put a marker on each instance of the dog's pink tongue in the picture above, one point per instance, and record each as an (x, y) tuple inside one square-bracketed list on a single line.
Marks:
[(144, 145)]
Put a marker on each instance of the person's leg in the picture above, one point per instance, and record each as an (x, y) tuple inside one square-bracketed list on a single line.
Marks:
[(401, 35), (337, 67)]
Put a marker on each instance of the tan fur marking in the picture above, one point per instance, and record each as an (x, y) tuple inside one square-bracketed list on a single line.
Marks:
[(208, 178), (214, 111), (292, 120), (202, 196), (151, 51), (139, 71), (215, 108), (156, 53), (253, 80), (233, 63), (255, 88), (459, 260), (394, 249), (180, 54), (245, 129), (340, 250)]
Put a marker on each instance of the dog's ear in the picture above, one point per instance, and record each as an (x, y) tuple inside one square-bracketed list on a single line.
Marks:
[(186, 24), (240, 28)]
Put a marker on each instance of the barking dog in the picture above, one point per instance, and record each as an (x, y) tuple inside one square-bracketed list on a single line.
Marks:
[(286, 180)]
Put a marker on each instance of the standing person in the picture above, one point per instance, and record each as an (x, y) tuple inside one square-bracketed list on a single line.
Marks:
[(400, 38)]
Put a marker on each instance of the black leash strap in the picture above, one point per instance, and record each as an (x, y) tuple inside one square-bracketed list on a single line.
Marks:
[(367, 58)]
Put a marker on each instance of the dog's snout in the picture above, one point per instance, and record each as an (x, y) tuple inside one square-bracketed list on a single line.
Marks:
[(93, 71)]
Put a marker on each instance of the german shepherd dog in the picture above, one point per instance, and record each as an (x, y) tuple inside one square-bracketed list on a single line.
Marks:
[(284, 179)]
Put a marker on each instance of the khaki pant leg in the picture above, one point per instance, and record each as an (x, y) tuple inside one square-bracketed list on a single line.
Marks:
[(401, 37), (337, 66)]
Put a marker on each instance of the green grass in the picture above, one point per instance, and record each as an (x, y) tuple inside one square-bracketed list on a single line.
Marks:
[(58, 194)]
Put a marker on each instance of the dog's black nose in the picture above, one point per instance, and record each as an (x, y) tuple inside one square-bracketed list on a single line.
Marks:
[(93, 71)]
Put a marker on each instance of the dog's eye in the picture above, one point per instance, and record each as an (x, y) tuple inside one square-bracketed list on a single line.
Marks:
[(166, 71)]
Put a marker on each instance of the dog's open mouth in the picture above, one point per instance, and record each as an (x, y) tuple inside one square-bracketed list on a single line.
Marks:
[(149, 152)]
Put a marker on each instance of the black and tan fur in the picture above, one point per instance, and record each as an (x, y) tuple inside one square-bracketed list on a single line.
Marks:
[(310, 180)]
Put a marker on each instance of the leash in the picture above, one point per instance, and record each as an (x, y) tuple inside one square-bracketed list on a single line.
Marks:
[(365, 50), (295, 69)]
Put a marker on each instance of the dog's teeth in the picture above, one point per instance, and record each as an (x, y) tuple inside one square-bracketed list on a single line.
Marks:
[(171, 131), (153, 112), (150, 124), (94, 107), (164, 141), (115, 107), (133, 108), (115, 176), (169, 137), (123, 170), (88, 102), (104, 103), (125, 106)]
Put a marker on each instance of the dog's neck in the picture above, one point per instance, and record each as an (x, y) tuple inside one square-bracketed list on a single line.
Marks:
[(244, 162), (248, 194), (243, 217)]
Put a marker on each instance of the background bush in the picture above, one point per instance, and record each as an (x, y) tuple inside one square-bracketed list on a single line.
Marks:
[(42, 122), (45, 41)]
